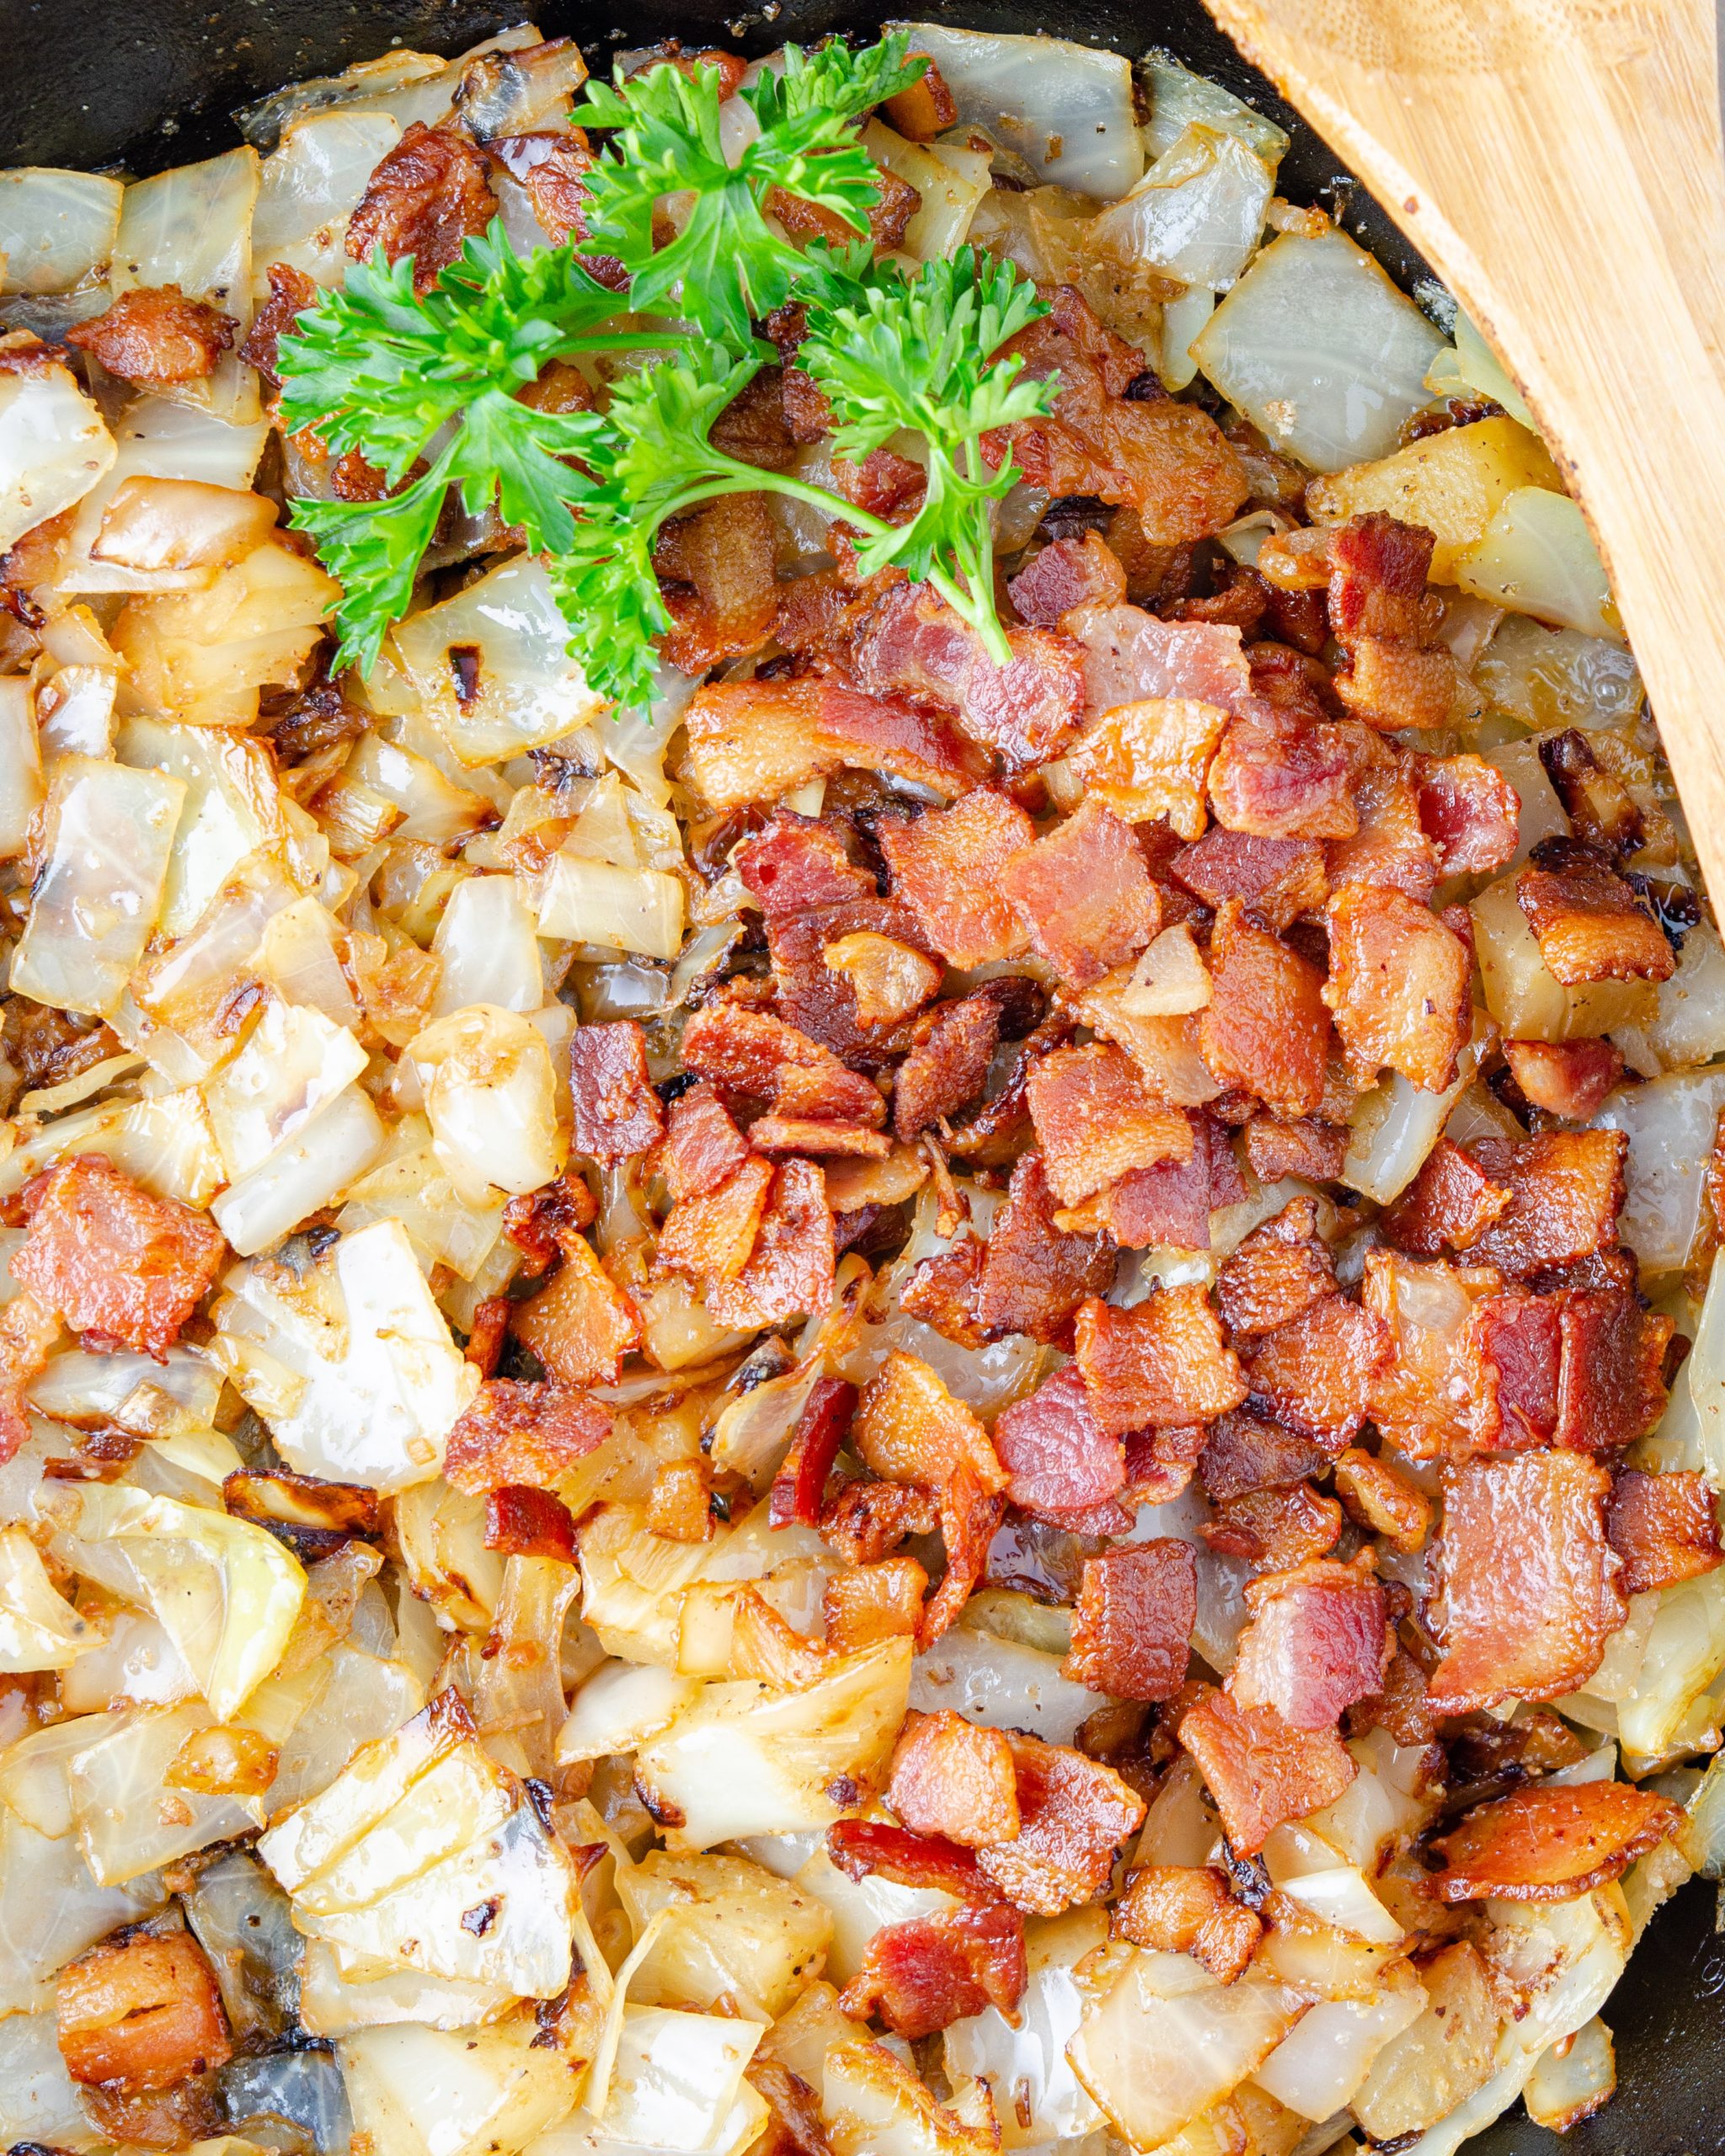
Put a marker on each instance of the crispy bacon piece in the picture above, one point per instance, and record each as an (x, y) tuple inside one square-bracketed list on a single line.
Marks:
[(1390, 849), (758, 740), (924, 1974), (711, 1236), (544, 1224), (1169, 1205), (1060, 1461), (1398, 986), (554, 170), (1132, 657), (1663, 1526), (1243, 1453), (755, 1056), (1378, 568), (616, 1111), (1382, 1502), (868, 1519), (155, 336), (1471, 813), (1132, 1626), (725, 594), (119, 1265), (1176, 1908), (863, 1847), (1390, 685), (896, 202), (954, 1779), (1160, 1463), (680, 1508), (1318, 1641), (1530, 1591), (1076, 1812), (780, 1133), (1566, 1078), (1266, 1029), (1586, 918), (1095, 1120), (291, 291), (924, 110), (909, 1429), (1275, 1529), (527, 1523), (1260, 1770), (1068, 572), (1144, 760), (941, 1073), (946, 865), (1566, 1190), (703, 1145), (1549, 1844), (1448, 1206), (1312, 1151), (1279, 1271), (1034, 1274), (1317, 1374), (427, 198), (1165, 1360), (1611, 1380), (1426, 1396), (790, 1271), (144, 2013), (582, 1326), (1278, 775), (512, 1433), (970, 1516), (943, 1291), (799, 1487), (1275, 879), (1085, 895), (1600, 809), (29, 1329), (867, 1603)]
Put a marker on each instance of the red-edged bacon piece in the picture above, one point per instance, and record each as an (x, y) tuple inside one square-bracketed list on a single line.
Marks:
[(1549, 1844), (1273, 1530), (1169, 1205), (1075, 1814), (702, 1144), (790, 1270), (946, 865), (1566, 1078), (1279, 1271), (863, 1847), (920, 1976), (1266, 1030), (1279, 775), (1163, 1361), (512, 1433), (1565, 1191), (1261, 1771), (1068, 572), (753, 1056), (1060, 1461), (1085, 895), (799, 1487), (1469, 811), (617, 1112), (1390, 848), (522, 1522), (1132, 1626), (793, 863), (1610, 1379), (1034, 1274), (1378, 570), (1665, 1528), (1319, 1642), (1516, 1341), (1317, 1374), (1448, 1206), (1243, 1453), (758, 740), (1276, 879), (947, 1069), (1398, 987), (970, 1516), (1096, 1121), (1130, 656)]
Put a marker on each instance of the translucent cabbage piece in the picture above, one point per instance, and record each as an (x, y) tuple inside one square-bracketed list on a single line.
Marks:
[(1001, 1683), (20, 765), (233, 810), (294, 1061), (353, 1369), (677, 2078), (471, 2092), (54, 447), (1197, 214), (116, 1783), (51, 1909), (491, 1095), (1037, 2096), (312, 1167), (1549, 677), (311, 185), (488, 947), (38, 2099), (1537, 557), (1670, 1125), (159, 440), (1177, 97), (56, 227), (39, 1628), (733, 1930)]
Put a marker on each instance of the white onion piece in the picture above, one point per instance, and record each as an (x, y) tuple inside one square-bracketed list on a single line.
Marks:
[(1340, 1896), (332, 2004), (859, 1908), (190, 226), (1543, 815), (1177, 97), (414, 2089), (639, 910), (138, 1661), (1689, 1027), (1537, 557), (365, 1697), (75, 711), (1549, 677), (1561, 2092), (116, 1786), (619, 1706), (108, 837), (77, 1386), (522, 690), (297, 957), (1686, 1652), (20, 765), (951, 181), (1083, 134), (1318, 348), (1318, 2065), (39, 1628), (1183, 321), (293, 1063), (51, 1909), (1475, 365), (635, 742), (159, 440), (433, 809), (489, 948), (1395, 1125), (1670, 1125), (232, 808), (53, 448), (677, 2078), (1196, 214), (56, 229), (491, 1094), (363, 86), (38, 2099), (180, 523), (310, 188), (1024, 2061), (1000, 1684)]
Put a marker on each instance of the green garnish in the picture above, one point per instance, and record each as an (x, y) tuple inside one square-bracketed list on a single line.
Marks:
[(400, 378)]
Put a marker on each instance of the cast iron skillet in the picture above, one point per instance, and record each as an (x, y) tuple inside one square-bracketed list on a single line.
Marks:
[(102, 82)]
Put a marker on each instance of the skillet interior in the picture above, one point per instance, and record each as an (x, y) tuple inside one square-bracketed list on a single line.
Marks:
[(99, 82)]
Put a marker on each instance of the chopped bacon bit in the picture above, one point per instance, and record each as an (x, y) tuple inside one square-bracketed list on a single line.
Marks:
[(616, 1111), (1060, 1461), (1531, 1592), (1566, 1078), (711, 1236), (862, 1848), (946, 865), (1275, 1529), (1095, 1120), (1601, 809), (1391, 684), (1378, 569), (924, 110), (1160, 1463), (582, 1326), (867, 1603), (781, 1134), (1165, 1360), (868, 1519), (1448, 1206), (1034, 1274), (485, 1342), (921, 1975), (1276, 879), (1131, 657), (943, 1291), (1317, 1374), (1610, 1385), (758, 740), (1549, 1844), (1261, 1771), (1187, 1909), (1312, 1151), (1132, 1626), (896, 202), (954, 1779), (1148, 760), (793, 862), (1319, 1640), (1068, 572), (292, 293), (118, 1264), (1398, 986), (799, 1487), (546, 1223), (1169, 1205), (427, 198), (790, 1272), (725, 595), (554, 170), (1244, 1453), (1085, 895), (1385, 1503), (1280, 1270), (1469, 811), (144, 2014), (1266, 1029), (1587, 920), (891, 981), (1566, 1190), (703, 1145), (970, 1516), (1389, 848), (1665, 1528), (909, 1429), (155, 336), (679, 1504), (1277, 776), (534, 1434), (528, 1522), (941, 1073), (755, 1056), (1075, 1813)]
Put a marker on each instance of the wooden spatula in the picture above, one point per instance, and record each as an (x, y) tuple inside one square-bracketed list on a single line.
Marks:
[(1558, 162)]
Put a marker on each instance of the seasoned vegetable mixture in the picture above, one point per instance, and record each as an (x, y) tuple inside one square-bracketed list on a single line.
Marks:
[(861, 1078)]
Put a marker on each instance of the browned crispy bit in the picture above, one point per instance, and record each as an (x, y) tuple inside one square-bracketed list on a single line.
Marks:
[(156, 336), (1260, 1770), (426, 199), (1379, 1499), (954, 1777), (924, 110), (1546, 1845), (1587, 920), (313, 1518), (1598, 806), (1188, 1909), (144, 2013)]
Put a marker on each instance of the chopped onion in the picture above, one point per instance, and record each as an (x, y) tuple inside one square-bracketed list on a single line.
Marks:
[(332, 2004), (1317, 2067), (311, 185), (116, 1783), (180, 523), (950, 180), (414, 2090), (442, 1536), (20, 765), (873, 2104), (1549, 677), (585, 901), (158, 439), (1001, 1683), (56, 229), (488, 948), (733, 1930), (294, 1061), (1670, 1125), (1178, 98), (1688, 1023), (1543, 815), (361, 1697), (1563, 2091), (1316, 347), (38, 1628), (1686, 1652), (1196, 214), (53, 448), (75, 711), (619, 1706), (490, 1092), (38, 2099), (323, 1157), (676, 2079), (51, 1910), (1537, 557), (1183, 321), (1083, 135), (1394, 1127)]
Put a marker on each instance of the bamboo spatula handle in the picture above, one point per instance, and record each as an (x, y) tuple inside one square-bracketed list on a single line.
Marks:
[(1558, 162)]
